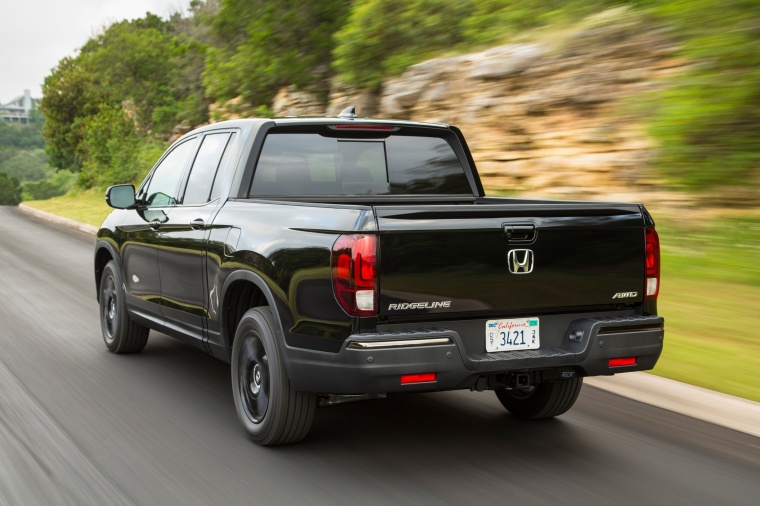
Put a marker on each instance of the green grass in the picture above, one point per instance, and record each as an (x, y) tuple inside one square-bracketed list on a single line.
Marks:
[(84, 206), (710, 295), (711, 335), (710, 298)]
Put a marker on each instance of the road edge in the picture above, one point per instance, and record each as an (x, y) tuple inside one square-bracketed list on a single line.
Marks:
[(58, 220), (696, 402), (739, 414)]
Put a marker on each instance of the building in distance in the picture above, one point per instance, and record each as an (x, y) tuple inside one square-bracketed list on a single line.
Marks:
[(18, 109)]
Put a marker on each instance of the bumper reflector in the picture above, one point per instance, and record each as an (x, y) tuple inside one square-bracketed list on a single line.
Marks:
[(620, 362), (425, 377)]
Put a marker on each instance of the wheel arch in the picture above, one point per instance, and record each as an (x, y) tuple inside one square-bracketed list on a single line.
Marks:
[(244, 290), (104, 253)]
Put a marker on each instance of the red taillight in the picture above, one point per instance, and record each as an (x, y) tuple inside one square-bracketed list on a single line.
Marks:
[(354, 274), (652, 281), (623, 361), (425, 377)]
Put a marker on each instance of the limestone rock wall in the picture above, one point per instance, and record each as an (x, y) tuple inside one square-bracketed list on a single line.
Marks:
[(553, 118)]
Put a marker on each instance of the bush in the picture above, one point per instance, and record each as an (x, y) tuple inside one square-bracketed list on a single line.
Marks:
[(384, 37), (27, 165), (57, 184), (109, 149), (10, 190), (707, 121)]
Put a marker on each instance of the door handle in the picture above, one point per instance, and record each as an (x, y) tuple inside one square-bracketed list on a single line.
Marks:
[(520, 233), (197, 224)]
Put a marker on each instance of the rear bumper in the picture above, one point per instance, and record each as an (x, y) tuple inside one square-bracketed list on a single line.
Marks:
[(374, 363)]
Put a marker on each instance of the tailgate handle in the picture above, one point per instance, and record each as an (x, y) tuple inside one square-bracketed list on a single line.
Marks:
[(520, 233)]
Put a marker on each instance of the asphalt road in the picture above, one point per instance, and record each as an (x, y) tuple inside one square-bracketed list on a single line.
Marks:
[(79, 425)]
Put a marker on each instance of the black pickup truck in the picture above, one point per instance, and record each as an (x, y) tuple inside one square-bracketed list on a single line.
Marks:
[(339, 259)]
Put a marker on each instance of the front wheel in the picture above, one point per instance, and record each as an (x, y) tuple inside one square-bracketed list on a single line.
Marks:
[(545, 400), (271, 412), (120, 333)]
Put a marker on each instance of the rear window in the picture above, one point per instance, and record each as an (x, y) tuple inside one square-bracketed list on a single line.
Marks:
[(311, 163)]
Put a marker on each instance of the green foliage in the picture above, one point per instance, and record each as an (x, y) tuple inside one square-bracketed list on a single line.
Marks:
[(57, 184), (10, 190), (384, 37), (495, 21), (113, 151), (27, 165), (21, 136), (265, 45), (70, 94), (707, 120), (138, 79), (145, 68)]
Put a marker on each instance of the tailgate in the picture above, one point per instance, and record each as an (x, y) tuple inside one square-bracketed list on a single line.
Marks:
[(509, 258)]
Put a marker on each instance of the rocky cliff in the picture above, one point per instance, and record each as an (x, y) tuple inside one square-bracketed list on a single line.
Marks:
[(555, 117)]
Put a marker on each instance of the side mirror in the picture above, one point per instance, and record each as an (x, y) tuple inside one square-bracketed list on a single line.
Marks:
[(121, 196)]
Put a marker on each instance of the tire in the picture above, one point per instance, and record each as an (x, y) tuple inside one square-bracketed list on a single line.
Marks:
[(120, 333), (268, 408), (545, 400)]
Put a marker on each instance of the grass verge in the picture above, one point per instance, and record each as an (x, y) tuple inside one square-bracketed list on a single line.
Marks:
[(84, 206), (711, 335)]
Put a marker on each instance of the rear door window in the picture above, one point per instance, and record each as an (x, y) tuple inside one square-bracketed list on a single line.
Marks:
[(205, 166)]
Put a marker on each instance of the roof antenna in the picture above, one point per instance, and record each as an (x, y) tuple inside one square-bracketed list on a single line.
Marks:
[(348, 113)]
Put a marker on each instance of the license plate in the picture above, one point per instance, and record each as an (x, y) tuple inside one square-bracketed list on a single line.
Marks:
[(515, 334)]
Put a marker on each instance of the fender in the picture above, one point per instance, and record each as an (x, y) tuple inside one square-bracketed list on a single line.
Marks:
[(108, 245), (271, 301)]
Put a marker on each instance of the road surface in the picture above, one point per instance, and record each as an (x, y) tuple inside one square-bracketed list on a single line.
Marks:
[(79, 425)]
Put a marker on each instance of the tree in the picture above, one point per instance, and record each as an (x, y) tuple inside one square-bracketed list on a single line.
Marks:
[(145, 68), (708, 120), (265, 45), (10, 190), (384, 37), (57, 184), (22, 136), (70, 94), (27, 165)]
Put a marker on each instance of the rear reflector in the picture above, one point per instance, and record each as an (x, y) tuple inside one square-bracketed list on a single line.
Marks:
[(620, 362), (425, 377)]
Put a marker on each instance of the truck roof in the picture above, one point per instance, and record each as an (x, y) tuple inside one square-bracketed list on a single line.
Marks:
[(311, 121)]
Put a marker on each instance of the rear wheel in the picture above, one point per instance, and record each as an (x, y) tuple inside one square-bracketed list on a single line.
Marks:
[(120, 333), (545, 400), (271, 412)]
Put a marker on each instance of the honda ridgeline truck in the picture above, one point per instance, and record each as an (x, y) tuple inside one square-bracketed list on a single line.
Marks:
[(338, 259)]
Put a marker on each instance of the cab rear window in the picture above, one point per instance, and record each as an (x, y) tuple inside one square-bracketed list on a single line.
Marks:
[(313, 163)]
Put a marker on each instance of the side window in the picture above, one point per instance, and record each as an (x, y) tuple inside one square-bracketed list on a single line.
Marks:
[(216, 190), (164, 184), (204, 168)]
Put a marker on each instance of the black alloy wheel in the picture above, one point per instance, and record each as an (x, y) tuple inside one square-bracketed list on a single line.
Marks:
[(120, 333), (268, 408)]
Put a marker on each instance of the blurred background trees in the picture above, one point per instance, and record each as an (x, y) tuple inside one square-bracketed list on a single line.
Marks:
[(111, 109), (24, 168)]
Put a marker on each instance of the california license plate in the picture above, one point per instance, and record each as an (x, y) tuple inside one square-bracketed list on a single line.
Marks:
[(515, 334)]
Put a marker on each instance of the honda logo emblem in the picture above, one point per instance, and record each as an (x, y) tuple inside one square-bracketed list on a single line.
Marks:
[(520, 261)]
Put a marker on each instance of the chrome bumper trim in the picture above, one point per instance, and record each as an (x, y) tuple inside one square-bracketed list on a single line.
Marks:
[(400, 343)]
